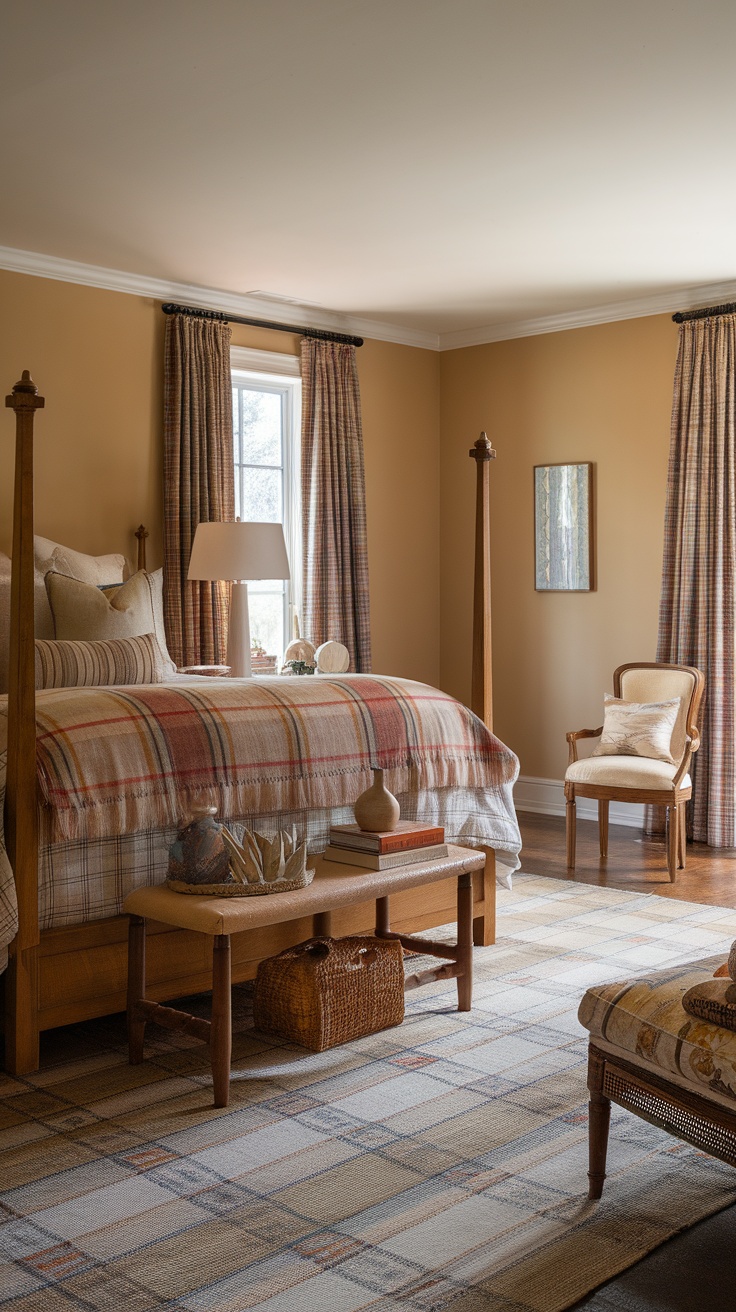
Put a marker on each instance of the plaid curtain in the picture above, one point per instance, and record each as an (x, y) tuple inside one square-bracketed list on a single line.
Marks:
[(336, 603), (696, 616), (199, 477)]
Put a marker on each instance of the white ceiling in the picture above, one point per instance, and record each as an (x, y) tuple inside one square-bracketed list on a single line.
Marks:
[(448, 166)]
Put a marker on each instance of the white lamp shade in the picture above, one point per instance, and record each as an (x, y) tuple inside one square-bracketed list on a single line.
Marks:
[(238, 552)]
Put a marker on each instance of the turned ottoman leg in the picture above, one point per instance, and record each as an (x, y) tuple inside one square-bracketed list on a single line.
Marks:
[(136, 987), (599, 1117), (221, 1034)]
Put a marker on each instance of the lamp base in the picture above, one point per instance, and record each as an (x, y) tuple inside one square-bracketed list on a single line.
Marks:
[(238, 637)]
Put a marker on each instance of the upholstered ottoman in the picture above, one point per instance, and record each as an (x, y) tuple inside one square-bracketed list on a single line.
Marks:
[(647, 1054)]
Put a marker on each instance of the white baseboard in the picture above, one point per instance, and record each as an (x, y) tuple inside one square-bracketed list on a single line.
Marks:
[(547, 797)]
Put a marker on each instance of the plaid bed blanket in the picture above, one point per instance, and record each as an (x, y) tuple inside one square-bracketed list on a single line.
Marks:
[(115, 761)]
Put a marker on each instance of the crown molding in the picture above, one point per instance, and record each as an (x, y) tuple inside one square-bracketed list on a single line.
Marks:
[(688, 298), (208, 298), (159, 289)]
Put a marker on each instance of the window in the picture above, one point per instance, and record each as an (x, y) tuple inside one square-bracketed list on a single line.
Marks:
[(266, 431)]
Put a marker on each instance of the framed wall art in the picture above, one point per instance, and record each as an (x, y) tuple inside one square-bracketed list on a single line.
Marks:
[(563, 528)]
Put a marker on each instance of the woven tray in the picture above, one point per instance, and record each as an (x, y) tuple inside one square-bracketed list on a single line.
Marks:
[(241, 890)]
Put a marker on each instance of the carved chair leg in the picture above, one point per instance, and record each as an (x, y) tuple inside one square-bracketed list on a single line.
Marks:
[(599, 1117), (603, 826), (682, 835), (570, 827), (673, 840)]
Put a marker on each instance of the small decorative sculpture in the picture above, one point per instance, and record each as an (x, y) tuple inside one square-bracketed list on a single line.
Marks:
[(299, 650), (332, 658), (268, 865), (198, 855), (377, 810)]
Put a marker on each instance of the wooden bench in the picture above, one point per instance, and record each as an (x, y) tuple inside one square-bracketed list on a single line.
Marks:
[(334, 886)]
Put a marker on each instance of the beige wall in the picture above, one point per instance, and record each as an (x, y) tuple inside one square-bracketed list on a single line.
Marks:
[(599, 394), (97, 357)]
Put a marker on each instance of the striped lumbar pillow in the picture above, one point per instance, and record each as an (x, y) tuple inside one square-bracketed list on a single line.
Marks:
[(68, 664)]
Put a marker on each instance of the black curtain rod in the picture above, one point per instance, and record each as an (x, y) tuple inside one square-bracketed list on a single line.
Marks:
[(683, 316), (322, 334)]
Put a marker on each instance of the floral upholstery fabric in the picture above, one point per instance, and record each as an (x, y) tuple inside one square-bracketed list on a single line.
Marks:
[(645, 1018)]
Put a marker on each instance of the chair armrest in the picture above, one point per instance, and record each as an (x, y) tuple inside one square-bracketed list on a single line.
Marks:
[(691, 745), (572, 739)]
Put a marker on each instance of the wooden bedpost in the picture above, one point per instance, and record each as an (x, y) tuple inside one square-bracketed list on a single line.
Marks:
[(481, 698), (21, 803), (141, 534)]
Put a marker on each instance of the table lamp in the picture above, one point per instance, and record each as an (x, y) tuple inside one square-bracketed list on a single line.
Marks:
[(236, 552)]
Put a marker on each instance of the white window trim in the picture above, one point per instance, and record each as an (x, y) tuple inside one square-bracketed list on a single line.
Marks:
[(248, 365), (243, 359)]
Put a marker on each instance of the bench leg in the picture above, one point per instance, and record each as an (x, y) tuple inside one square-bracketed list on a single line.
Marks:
[(136, 987), (465, 942), (221, 1036)]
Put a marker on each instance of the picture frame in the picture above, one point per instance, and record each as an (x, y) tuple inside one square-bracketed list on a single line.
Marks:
[(564, 556)]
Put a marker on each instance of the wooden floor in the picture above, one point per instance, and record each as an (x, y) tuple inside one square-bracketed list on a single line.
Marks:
[(633, 862)]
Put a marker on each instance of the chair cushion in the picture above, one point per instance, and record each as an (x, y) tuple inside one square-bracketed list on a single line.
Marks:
[(638, 728), (645, 1018), (624, 772)]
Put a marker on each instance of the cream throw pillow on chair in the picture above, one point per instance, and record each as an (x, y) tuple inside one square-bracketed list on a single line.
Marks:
[(638, 729)]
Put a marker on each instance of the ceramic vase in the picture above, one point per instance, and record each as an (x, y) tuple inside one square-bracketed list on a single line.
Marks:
[(199, 855), (377, 809)]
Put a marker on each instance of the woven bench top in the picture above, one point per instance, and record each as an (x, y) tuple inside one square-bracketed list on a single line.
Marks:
[(333, 886)]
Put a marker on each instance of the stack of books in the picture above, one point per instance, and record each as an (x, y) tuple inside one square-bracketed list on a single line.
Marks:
[(411, 841)]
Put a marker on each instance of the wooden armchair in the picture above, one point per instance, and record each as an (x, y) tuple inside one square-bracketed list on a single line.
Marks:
[(638, 778)]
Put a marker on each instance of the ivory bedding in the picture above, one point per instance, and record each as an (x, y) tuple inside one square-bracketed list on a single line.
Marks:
[(118, 767)]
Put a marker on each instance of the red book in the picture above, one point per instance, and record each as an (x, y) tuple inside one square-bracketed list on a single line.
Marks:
[(407, 835)]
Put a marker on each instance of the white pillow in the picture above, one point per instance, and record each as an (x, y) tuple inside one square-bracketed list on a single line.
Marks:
[(48, 555), (638, 729), (99, 570), (85, 613)]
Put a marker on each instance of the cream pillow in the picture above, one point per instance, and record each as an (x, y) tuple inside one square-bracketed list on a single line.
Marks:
[(83, 612), (638, 729), (119, 662), (99, 570), (48, 555)]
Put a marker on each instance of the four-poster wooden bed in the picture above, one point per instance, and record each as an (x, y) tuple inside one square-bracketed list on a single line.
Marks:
[(73, 972)]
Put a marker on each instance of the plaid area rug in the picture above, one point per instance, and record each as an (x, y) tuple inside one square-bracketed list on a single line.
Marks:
[(441, 1164)]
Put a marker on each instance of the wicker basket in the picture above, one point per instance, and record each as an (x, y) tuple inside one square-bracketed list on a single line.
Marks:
[(328, 991)]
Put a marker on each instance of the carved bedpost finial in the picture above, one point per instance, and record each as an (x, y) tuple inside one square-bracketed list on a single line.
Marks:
[(482, 449), (24, 395), (141, 534)]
